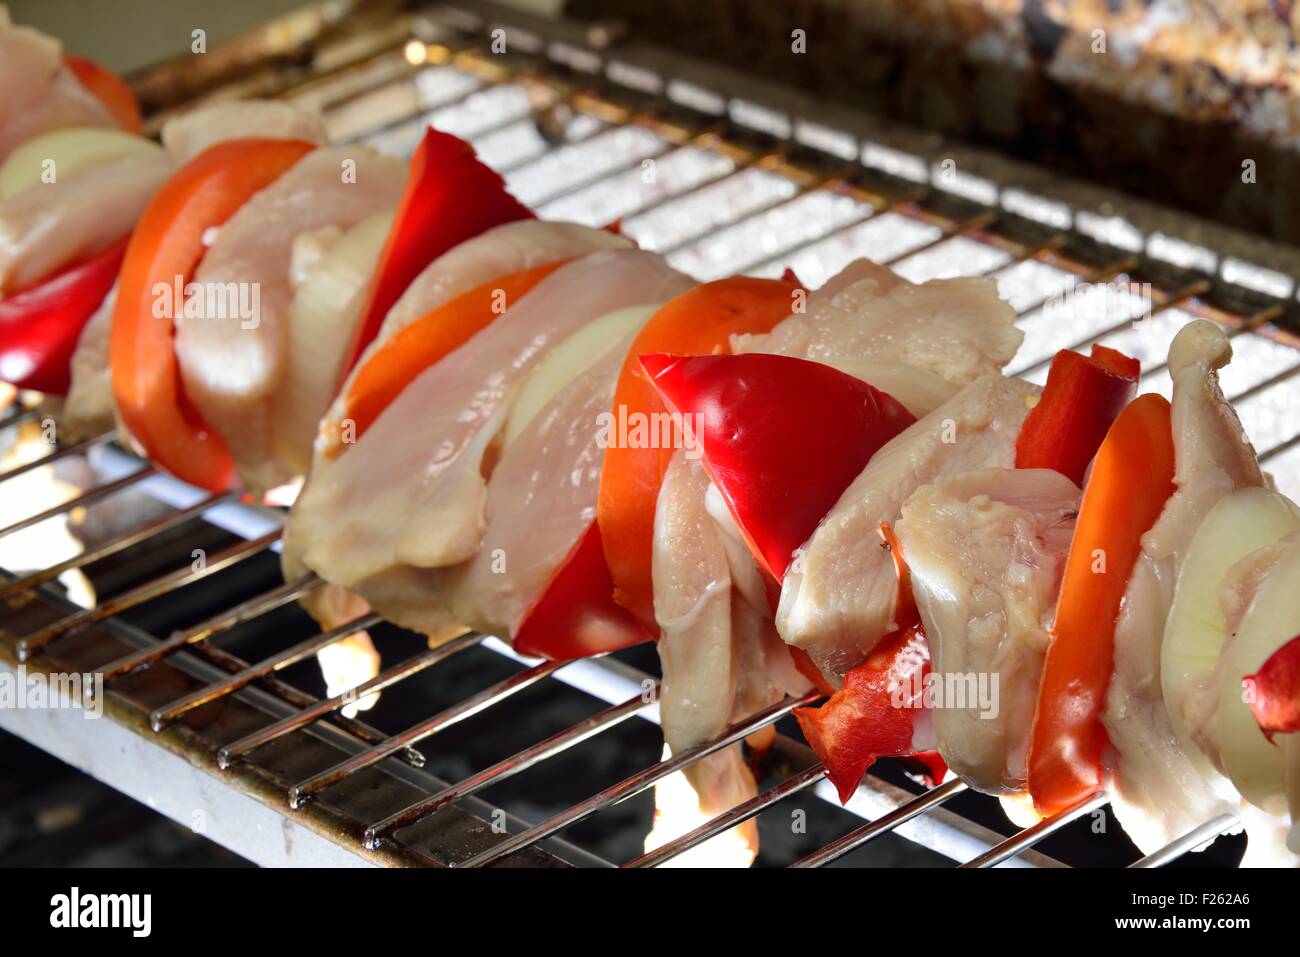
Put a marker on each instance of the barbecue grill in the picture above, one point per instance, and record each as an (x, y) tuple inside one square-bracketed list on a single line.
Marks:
[(213, 712)]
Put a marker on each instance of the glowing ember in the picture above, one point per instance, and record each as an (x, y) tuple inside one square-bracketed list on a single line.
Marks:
[(678, 811), (346, 664), (50, 541)]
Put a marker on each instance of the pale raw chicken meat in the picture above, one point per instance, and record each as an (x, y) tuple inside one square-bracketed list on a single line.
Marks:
[(541, 499), (703, 624), (917, 343), (232, 363), (986, 551), (186, 136), (1160, 790), (693, 596), (48, 226), (954, 329), (410, 495), (837, 599), (498, 251), (89, 407), (38, 93)]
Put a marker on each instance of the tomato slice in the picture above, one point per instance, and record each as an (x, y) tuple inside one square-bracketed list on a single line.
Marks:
[(167, 244), (698, 322), (41, 325), (110, 89), (1132, 477)]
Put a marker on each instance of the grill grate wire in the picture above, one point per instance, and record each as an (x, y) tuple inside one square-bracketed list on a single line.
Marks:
[(772, 183)]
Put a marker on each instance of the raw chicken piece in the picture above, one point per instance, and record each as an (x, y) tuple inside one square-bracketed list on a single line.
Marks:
[(838, 596), (40, 93), (188, 135), (986, 550), (89, 407), (410, 495), (501, 250), (693, 595), (49, 226), (540, 500), (233, 363), (1160, 790), (919, 344), (955, 330), (715, 646), (330, 272)]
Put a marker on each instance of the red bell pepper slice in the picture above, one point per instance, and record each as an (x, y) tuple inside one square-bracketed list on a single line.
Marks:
[(110, 89), (1275, 697), (698, 322), (576, 615), (865, 719), (1082, 397), (874, 714), (39, 326), (782, 438), (1132, 478), (168, 242), (450, 197)]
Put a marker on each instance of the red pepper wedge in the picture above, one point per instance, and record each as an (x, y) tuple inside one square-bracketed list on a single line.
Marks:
[(450, 196), (168, 242), (868, 718), (1275, 697), (576, 615), (873, 715), (782, 438), (39, 327), (110, 89), (700, 321), (1132, 477), (1082, 397)]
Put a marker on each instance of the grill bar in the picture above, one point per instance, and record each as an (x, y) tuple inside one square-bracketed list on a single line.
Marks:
[(232, 752), (95, 494), (1191, 291), (161, 717), (253, 608), (28, 645), (728, 819), (555, 744), (304, 790), (1032, 835), (1189, 841), (18, 418), (882, 825), (118, 543), (639, 782), (79, 448)]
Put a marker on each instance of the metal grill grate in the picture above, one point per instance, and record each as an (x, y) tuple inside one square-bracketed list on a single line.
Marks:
[(719, 186)]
